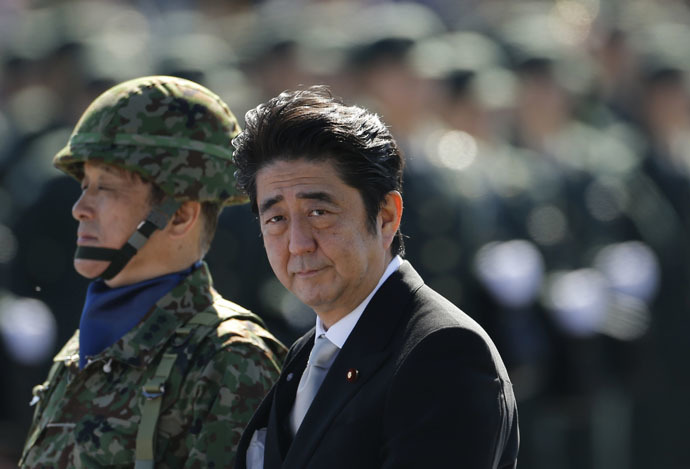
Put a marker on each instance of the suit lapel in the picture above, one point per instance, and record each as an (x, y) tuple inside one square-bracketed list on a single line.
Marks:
[(272, 413), (278, 438), (366, 350)]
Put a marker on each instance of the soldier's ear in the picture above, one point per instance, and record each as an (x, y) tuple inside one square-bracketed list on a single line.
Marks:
[(184, 219)]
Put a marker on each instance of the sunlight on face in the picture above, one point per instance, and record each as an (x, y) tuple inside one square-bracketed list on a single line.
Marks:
[(316, 235), (112, 203)]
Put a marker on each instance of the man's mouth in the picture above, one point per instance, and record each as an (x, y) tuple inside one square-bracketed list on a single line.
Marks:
[(305, 273), (84, 239)]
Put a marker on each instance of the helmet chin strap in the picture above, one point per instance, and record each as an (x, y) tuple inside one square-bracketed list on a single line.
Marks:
[(157, 219)]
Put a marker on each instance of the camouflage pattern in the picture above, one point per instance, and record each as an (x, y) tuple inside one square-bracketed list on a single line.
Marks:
[(174, 132), (90, 418)]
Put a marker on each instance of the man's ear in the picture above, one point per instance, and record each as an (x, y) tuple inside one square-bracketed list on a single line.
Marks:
[(389, 217), (184, 219)]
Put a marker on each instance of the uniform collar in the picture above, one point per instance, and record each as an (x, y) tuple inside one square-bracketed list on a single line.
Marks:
[(141, 344)]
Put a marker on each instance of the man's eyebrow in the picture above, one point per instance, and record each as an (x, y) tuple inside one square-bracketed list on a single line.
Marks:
[(320, 195), (268, 203)]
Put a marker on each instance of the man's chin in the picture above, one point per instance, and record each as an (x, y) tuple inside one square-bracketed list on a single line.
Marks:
[(89, 268), (314, 300)]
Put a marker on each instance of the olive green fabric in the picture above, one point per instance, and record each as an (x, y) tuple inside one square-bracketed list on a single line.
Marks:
[(173, 132), (90, 418)]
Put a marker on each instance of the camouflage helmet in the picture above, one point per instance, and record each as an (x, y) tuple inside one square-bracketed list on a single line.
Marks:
[(173, 132)]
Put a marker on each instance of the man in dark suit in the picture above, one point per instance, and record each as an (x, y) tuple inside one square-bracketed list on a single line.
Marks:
[(406, 379)]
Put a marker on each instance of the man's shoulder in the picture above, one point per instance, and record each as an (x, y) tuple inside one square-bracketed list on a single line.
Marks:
[(196, 303), (227, 309), (237, 327), (237, 356), (436, 320), (430, 308), (70, 350), (432, 312)]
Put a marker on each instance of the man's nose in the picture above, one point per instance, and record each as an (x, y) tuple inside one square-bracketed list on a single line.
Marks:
[(301, 237), (83, 207)]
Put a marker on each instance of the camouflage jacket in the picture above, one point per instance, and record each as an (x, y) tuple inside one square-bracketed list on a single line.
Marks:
[(90, 418)]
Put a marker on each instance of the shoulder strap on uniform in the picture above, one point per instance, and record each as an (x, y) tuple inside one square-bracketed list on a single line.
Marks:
[(154, 389), (40, 392)]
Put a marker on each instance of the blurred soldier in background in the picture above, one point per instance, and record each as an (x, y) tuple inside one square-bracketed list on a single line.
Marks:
[(664, 119), (162, 369)]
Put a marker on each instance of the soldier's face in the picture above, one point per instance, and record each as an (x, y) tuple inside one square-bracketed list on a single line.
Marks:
[(112, 203), (317, 238)]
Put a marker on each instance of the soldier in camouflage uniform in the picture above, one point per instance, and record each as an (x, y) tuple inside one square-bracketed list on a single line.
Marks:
[(163, 370)]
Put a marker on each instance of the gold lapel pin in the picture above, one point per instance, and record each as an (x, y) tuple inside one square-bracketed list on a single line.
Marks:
[(352, 375)]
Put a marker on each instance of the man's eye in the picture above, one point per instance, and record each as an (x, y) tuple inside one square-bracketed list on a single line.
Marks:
[(317, 212), (275, 219)]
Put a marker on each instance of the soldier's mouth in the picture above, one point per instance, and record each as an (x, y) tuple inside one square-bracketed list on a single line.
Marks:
[(84, 239)]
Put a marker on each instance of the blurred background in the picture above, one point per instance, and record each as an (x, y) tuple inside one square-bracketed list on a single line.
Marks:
[(546, 189)]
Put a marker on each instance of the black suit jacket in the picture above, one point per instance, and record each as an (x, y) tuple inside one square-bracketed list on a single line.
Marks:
[(430, 391)]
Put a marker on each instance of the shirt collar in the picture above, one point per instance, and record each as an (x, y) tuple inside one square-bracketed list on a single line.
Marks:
[(340, 331)]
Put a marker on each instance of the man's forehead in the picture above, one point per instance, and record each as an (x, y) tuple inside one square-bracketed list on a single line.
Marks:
[(301, 170), (299, 179), (113, 170), (298, 175)]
